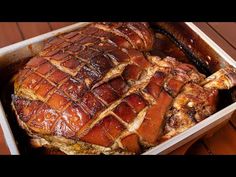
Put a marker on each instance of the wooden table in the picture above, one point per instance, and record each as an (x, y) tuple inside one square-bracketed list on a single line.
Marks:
[(224, 34)]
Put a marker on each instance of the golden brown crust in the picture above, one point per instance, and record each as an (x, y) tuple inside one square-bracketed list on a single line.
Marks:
[(93, 91)]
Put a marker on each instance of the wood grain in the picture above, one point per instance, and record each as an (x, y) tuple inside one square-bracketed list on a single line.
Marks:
[(198, 148), (3, 147), (223, 142), (233, 120), (9, 33), (226, 30), (57, 25), (29, 30), (217, 38), (183, 149)]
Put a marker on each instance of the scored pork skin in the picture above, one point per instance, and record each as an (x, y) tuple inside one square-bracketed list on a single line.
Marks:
[(96, 86)]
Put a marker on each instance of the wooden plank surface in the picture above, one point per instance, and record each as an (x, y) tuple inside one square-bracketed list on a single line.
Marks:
[(233, 119), (198, 148), (9, 34), (3, 147), (222, 142), (217, 38), (29, 30), (226, 30), (57, 25)]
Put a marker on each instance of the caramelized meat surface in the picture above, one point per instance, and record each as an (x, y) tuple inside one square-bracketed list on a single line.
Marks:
[(96, 90)]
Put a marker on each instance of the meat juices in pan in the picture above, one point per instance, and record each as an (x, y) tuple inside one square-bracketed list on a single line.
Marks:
[(96, 90)]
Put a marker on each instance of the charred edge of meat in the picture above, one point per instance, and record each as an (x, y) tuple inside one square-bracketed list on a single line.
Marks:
[(198, 62), (191, 113)]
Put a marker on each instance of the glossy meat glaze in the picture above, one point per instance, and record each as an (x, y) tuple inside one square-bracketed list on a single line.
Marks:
[(97, 90)]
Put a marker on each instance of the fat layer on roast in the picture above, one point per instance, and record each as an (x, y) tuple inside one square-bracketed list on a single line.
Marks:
[(98, 88)]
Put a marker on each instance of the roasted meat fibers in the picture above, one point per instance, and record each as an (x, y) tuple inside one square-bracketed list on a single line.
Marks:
[(97, 90)]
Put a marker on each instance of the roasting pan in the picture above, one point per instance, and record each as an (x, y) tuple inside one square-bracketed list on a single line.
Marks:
[(204, 53)]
